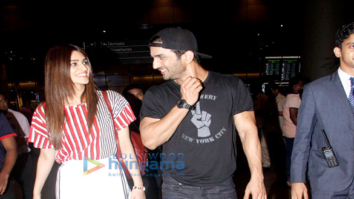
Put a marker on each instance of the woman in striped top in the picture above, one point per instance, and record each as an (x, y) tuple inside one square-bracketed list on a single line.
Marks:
[(74, 127)]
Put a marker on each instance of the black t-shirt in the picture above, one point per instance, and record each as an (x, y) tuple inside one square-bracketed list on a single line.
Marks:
[(201, 151)]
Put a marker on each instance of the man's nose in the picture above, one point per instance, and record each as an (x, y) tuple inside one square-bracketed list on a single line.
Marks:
[(156, 64)]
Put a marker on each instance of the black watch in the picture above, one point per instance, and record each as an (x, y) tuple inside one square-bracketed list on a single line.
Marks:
[(183, 104)]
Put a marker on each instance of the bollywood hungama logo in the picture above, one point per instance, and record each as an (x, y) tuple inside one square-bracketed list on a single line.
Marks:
[(156, 161), (88, 171)]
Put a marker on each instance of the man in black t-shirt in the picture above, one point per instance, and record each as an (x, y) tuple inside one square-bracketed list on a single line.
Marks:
[(193, 116)]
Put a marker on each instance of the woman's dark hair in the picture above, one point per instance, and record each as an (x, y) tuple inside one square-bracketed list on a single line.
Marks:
[(59, 87)]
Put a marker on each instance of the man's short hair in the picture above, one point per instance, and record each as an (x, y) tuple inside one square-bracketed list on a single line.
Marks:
[(296, 80), (344, 33), (179, 53), (129, 87), (273, 86)]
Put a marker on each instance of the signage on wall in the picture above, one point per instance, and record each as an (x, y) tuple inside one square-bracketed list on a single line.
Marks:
[(136, 51), (284, 67)]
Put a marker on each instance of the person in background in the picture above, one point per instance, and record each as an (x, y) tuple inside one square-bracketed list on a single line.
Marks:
[(290, 115), (22, 171), (26, 111), (8, 155), (75, 128), (134, 90), (280, 100)]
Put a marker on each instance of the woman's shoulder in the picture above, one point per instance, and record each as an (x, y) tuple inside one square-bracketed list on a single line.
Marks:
[(113, 96), (110, 93)]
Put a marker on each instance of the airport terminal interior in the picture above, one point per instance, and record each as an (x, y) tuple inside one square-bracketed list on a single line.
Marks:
[(259, 41)]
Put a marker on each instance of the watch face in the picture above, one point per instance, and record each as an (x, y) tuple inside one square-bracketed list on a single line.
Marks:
[(182, 104)]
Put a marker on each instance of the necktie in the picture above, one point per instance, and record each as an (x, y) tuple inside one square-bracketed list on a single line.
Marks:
[(351, 94)]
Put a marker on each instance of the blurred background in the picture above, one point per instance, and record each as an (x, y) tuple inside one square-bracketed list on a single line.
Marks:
[(257, 40)]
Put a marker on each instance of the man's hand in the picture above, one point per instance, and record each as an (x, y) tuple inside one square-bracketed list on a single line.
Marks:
[(3, 182), (299, 191), (201, 120), (255, 188), (190, 89)]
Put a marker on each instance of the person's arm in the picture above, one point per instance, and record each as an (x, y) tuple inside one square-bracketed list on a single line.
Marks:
[(25, 127), (301, 149), (246, 127), (127, 148), (44, 165), (10, 146), (155, 132), (293, 114)]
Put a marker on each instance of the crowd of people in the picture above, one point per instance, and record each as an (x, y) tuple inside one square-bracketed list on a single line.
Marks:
[(189, 123)]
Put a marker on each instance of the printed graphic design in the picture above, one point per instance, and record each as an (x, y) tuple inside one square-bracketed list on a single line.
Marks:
[(98, 166), (201, 119)]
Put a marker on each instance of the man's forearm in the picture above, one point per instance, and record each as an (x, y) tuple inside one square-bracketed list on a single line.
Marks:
[(252, 149), (247, 129), (155, 132), (10, 160)]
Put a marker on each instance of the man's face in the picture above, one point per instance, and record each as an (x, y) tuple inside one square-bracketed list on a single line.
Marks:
[(167, 62), (138, 93), (275, 91), (298, 88), (3, 103), (346, 54)]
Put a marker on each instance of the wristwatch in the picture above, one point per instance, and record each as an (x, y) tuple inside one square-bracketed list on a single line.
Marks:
[(183, 104), (139, 188)]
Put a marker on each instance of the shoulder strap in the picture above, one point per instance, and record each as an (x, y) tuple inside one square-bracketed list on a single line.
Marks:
[(108, 103), (105, 97), (119, 153)]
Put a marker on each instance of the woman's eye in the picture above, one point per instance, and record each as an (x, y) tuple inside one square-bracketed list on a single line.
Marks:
[(73, 64), (85, 63)]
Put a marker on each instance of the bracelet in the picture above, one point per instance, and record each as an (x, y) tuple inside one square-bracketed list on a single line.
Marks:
[(139, 188)]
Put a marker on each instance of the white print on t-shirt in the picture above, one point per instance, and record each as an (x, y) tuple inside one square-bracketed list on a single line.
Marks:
[(209, 97), (201, 119)]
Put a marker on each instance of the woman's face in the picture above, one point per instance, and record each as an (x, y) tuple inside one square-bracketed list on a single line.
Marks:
[(79, 69)]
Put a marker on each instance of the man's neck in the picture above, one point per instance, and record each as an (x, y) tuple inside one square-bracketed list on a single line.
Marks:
[(193, 70), (348, 70)]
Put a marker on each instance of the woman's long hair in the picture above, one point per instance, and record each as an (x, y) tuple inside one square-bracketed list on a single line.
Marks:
[(59, 87)]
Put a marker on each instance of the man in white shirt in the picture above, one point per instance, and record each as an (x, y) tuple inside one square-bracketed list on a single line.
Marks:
[(280, 100)]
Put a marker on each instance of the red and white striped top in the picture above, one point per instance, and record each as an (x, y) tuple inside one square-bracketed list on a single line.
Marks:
[(77, 141)]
